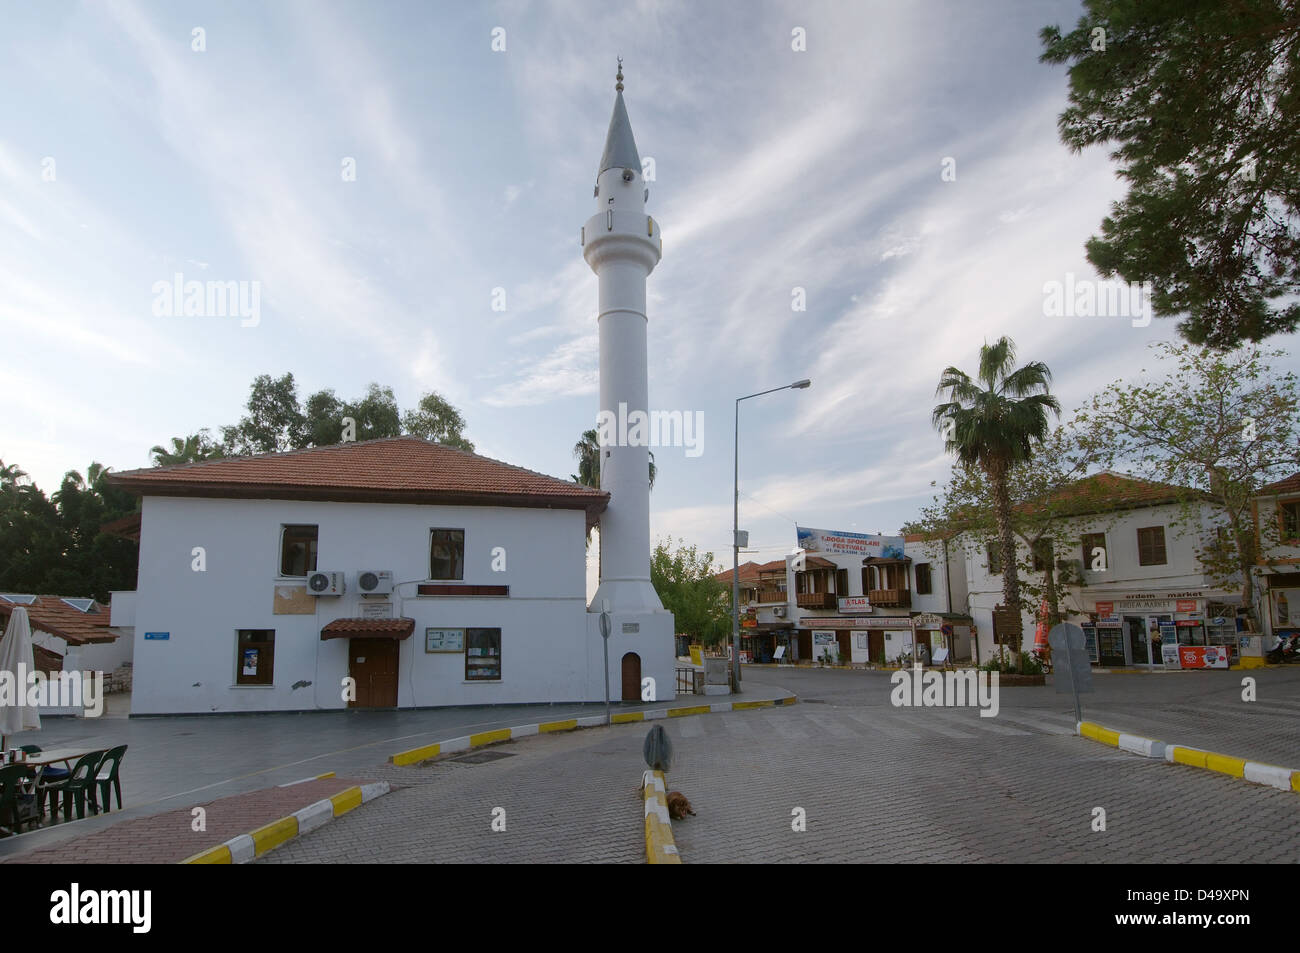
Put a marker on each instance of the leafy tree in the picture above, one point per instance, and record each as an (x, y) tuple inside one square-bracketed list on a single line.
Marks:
[(1052, 505), (274, 421), (376, 414), (992, 421), (684, 580), (1220, 425), (323, 423), (1199, 99), (55, 546), (191, 449), (435, 419)]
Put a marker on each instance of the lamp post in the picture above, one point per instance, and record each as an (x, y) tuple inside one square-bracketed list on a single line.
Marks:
[(735, 538)]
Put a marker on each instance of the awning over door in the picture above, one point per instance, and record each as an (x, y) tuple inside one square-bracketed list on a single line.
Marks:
[(368, 628)]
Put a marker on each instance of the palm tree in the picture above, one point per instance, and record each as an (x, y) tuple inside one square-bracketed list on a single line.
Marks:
[(587, 450), (992, 422), (191, 449)]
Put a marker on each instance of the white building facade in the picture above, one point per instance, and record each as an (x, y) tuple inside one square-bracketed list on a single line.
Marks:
[(480, 599)]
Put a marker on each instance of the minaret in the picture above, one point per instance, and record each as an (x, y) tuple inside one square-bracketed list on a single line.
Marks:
[(622, 245)]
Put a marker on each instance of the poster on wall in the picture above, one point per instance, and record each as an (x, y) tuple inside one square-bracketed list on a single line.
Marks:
[(824, 644), (1286, 608), (1169, 655), (852, 544)]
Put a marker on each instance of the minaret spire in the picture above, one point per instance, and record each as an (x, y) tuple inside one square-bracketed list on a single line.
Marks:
[(619, 85)]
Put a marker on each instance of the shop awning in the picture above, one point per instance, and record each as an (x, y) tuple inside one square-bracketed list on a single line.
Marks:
[(368, 629)]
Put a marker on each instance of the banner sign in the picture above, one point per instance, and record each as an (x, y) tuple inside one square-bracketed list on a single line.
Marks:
[(1203, 656), (852, 544), (855, 604)]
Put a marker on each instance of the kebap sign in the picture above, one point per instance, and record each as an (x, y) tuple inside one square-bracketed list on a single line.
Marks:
[(850, 544)]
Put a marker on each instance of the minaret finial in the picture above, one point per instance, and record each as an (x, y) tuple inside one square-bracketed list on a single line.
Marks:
[(619, 85)]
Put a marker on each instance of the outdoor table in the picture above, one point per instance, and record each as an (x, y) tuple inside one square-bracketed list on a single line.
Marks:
[(58, 756)]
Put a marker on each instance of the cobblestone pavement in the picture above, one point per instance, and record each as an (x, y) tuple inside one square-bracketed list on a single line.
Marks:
[(1199, 709), (169, 837), (573, 797), (877, 784)]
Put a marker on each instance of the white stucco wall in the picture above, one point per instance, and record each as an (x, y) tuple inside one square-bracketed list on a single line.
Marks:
[(547, 651), (1124, 575)]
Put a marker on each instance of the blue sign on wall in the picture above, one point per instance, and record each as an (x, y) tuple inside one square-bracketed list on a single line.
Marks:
[(159, 636)]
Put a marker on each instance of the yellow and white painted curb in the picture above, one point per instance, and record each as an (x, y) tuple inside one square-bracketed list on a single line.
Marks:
[(245, 847), (465, 742), (1284, 779), (659, 846)]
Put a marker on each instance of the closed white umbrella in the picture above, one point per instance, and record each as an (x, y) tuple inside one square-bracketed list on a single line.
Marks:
[(15, 714)]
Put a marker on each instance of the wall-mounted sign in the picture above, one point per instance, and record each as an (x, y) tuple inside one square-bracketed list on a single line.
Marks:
[(1185, 605), (928, 620), (376, 610), (631, 628), (1106, 608), (158, 636), (858, 622), (444, 640), (855, 604), (852, 544)]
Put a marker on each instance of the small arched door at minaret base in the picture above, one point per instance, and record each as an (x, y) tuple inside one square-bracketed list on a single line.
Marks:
[(631, 677)]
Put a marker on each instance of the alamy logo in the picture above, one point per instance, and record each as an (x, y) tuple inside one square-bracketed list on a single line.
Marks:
[(35, 689), (208, 299), (1089, 298), (945, 690), (76, 906), (659, 428)]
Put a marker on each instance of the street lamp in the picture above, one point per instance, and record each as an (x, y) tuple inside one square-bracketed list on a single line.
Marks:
[(735, 538)]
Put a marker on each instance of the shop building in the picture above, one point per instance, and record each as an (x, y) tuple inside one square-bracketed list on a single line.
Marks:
[(1276, 516), (854, 597), (1133, 581)]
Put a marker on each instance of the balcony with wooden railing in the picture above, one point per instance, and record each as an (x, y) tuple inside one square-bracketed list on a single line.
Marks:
[(771, 595), (891, 598), (816, 600)]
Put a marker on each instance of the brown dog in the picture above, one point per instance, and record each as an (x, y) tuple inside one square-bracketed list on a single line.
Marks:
[(678, 806)]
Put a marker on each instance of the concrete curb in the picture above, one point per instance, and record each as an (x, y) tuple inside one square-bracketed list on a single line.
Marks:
[(244, 847), (659, 846), (1284, 779), (465, 742)]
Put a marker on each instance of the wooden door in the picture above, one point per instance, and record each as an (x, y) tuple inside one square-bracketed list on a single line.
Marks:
[(875, 645), (373, 663), (631, 677)]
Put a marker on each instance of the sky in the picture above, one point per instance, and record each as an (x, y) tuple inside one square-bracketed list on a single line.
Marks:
[(898, 162)]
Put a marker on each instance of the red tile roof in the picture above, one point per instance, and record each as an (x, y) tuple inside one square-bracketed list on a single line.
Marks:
[(51, 614), (346, 628), (748, 574), (387, 470), (1290, 485)]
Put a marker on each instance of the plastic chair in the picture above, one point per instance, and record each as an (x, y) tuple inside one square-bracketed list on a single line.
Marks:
[(16, 806), (108, 774), (75, 788)]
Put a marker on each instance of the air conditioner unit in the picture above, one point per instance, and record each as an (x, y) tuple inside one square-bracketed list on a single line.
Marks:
[(325, 583), (779, 612), (374, 582)]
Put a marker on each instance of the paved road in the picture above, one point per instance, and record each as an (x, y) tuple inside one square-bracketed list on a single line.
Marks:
[(1199, 709), (179, 761), (876, 783)]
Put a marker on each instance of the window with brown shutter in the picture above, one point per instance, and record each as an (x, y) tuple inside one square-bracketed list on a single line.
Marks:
[(1091, 543), (1151, 546), (923, 585)]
